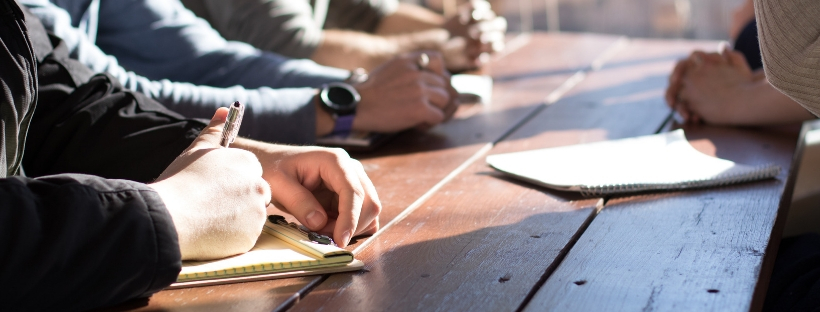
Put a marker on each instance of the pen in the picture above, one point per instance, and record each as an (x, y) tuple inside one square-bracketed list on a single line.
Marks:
[(232, 124)]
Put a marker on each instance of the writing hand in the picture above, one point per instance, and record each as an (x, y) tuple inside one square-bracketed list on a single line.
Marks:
[(216, 196)]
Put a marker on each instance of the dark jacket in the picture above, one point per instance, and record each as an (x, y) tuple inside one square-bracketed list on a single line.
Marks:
[(81, 230)]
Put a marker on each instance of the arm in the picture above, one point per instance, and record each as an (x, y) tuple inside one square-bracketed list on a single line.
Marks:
[(70, 236), (163, 40), (790, 45), (409, 18), (280, 115), (721, 88), (88, 242)]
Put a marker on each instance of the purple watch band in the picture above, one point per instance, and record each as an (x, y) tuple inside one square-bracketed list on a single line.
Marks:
[(344, 124)]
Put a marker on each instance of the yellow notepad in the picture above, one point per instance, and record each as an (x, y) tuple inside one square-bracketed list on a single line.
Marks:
[(281, 251)]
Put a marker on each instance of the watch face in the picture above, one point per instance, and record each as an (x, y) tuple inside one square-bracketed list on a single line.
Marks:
[(340, 98)]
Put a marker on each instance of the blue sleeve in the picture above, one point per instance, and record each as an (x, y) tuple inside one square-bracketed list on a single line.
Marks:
[(166, 41), (274, 115)]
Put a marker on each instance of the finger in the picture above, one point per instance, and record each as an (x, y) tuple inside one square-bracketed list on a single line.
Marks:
[(432, 115), (344, 181), (212, 134), (436, 63), (737, 59), (437, 96), (714, 58), (696, 58), (371, 206), (452, 105), (433, 80), (300, 202), (675, 83)]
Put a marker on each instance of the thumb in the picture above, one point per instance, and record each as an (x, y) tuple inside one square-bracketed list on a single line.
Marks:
[(212, 134)]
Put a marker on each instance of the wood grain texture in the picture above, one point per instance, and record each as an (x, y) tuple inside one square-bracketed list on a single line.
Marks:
[(411, 164), (254, 296), (484, 242), (701, 250)]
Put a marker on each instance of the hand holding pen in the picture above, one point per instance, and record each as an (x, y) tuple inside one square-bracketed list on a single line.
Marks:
[(216, 196)]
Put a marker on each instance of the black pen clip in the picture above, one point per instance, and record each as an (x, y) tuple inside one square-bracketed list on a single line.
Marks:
[(312, 236)]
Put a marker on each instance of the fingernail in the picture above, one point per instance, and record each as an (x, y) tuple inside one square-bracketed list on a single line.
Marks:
[(346, 238), (314, 220)]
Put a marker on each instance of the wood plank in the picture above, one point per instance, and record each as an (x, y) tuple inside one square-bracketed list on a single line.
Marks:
[(414, 162), (411, 164), (698, 250), (484, 241)]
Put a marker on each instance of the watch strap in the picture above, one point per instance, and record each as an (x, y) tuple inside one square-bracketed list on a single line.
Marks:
[(344, 124)]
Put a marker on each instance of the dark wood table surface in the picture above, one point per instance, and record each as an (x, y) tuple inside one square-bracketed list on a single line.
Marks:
[(457, 236)]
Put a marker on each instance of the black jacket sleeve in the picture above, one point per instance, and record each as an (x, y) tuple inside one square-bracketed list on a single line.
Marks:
[(78, 242)]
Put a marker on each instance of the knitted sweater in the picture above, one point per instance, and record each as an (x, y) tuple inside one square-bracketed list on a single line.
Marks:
[(789, 34)]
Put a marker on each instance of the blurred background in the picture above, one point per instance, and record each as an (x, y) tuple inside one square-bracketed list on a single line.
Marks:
[(691, 19)]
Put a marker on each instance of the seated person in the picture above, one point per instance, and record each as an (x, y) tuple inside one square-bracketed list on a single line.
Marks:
[(356, 33), (117, 189), (789, 34), (180, 61), (729, 87)]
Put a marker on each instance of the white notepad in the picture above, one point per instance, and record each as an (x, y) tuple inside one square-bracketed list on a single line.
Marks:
[(649, 163)]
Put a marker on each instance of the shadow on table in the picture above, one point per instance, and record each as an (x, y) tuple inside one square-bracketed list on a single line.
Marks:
[(459, 267)]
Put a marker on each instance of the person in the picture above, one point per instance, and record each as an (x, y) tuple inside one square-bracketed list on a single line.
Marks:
[(103, 191), (159, 48), (356, 33), (729, 87), (788, 34)]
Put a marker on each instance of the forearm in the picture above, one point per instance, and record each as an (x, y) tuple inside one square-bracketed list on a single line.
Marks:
[(163, 40), (769, 107), (790, 44), (409, 18), (351, 49), (85, 241)]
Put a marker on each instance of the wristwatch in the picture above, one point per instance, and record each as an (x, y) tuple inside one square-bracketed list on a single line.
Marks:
[(340, 100)]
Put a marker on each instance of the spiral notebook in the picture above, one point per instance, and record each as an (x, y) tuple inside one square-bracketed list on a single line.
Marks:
[(282, 250), (661, 162)]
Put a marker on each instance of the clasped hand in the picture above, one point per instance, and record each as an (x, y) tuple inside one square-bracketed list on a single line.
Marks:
[(475, 32)]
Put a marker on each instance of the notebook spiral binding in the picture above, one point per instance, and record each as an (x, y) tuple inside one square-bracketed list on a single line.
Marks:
[(759, 173)]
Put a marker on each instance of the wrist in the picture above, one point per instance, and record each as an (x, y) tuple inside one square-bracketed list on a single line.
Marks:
[(175, 208), (340, 101), (324, 120)]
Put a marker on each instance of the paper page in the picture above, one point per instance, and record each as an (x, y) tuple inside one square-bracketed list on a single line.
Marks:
[(666, 158), (473, 88)]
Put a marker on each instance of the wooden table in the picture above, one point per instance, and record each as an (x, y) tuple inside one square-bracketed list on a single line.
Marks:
[(457, 236)]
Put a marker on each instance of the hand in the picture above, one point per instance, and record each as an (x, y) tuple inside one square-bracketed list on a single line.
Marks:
[(711, 87), (216, 196), (475, 32), (398, 95), (323, 188)]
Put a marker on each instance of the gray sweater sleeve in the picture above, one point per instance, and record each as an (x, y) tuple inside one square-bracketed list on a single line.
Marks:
[(288, 27), (361, 15), (285, 27), (789, 32)]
